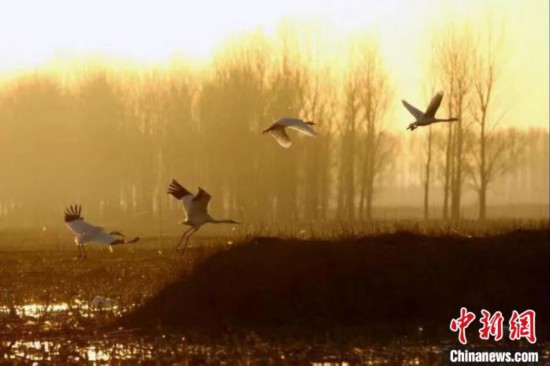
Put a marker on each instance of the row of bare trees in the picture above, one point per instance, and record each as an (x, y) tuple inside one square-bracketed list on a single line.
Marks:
[(112, 140), (468, 63)]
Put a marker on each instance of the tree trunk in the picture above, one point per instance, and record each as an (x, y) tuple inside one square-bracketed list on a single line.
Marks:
[(482, 169), (349, 202), (482, 202), (362, 191), (427, 177), (448, 172), (456, 190)]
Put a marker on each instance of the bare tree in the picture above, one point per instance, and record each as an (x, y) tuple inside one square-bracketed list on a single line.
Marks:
[(365, 146), (318, 106), (378, 148), (348, 136), (429, 152), (490, 157), (452, 61), (504, 151), (427, 174)]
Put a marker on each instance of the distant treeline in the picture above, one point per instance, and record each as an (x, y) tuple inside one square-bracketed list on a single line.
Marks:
[(111, 139)]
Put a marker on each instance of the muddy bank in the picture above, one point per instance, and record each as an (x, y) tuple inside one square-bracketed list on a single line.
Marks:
[(394, 285)]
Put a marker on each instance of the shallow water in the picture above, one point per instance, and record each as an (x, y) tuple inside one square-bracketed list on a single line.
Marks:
[(72, 333), (23, 339), (167, 350), (37, 310)]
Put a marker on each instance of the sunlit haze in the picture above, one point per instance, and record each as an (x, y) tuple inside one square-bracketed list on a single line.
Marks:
[(33, 33)]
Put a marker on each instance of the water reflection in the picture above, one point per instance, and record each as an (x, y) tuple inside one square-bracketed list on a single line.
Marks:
[(131, 348), (36, 310), (74, 352), (55, 332)]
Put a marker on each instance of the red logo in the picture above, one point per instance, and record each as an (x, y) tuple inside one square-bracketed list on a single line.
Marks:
[(523, 326), (461, 323), (492, 325)]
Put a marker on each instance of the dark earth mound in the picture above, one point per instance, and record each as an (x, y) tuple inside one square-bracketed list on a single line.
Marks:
[(381, 286)]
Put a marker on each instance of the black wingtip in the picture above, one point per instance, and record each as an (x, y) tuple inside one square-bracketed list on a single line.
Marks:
[(73, 213), (200, 194), (177, 190)]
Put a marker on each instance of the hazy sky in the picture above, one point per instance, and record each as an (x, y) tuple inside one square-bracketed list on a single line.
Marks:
[(33, 32)]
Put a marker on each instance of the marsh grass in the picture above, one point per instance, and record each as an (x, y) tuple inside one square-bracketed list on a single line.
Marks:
[(340, 230)]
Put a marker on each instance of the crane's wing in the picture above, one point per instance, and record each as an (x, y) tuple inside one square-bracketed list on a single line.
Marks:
[(298, 125), (81, 227), (413, 110), (271, 126), (75, 222), (434, 105), (180, 193), (103, 238), (281, 137), (200, 202)]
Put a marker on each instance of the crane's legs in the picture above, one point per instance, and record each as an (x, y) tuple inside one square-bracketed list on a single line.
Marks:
[(81, 252), (187, 239), (185, 232)]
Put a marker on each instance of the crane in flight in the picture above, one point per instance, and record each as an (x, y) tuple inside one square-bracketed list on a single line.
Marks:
[(195, 208), (87, 233), (278, 129), (428, 117)]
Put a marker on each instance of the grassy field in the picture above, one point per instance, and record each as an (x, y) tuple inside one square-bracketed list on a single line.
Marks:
[(380, 292)]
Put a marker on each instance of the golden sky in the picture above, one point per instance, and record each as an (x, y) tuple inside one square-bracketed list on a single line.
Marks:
[(152, 31)]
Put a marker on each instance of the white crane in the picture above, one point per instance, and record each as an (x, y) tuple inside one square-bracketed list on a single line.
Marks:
[(87, 233), (277, 129), (428, 117), (195, 208)]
